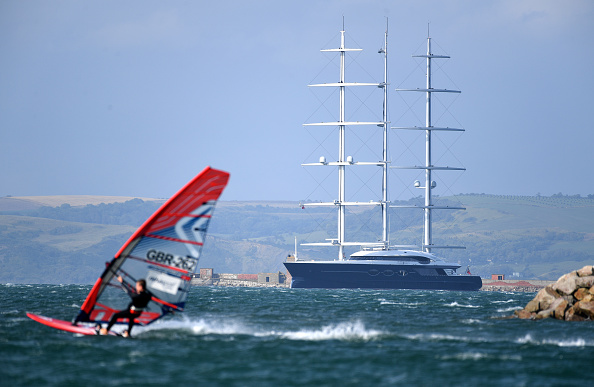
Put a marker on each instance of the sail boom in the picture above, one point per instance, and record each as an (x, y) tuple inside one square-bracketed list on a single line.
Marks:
[(432, 128), (432, 207), (369, 244), (431, 90), (340, 84), (432, 168), (431, 56), (345, 123), (337, 163), (341, 49), (336, 203), (445, 247)]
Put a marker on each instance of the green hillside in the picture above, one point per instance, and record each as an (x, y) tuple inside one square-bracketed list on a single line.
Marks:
[(535, 236), (522, 236)]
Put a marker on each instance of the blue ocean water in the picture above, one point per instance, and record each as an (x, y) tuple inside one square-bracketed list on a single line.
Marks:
[(299, 337)]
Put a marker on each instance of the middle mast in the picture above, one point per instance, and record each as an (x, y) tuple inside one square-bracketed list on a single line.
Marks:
[(343, 161)]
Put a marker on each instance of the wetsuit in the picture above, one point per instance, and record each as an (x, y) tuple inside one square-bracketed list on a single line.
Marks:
[(134, 310)]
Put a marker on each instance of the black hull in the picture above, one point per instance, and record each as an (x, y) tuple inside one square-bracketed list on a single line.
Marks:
[(378, 276)]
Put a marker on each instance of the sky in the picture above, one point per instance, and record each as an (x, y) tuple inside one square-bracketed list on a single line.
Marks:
[(134, 98)]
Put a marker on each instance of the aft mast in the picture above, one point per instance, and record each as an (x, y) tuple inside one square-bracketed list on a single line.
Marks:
[(385, 203), (429, 167), (343, 161)]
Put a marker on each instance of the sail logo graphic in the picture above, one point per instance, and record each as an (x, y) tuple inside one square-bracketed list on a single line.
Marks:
[(193, 228), (162, 282), (185, 263)]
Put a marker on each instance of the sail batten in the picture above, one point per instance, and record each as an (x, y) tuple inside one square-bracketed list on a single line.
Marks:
[(174, 239)]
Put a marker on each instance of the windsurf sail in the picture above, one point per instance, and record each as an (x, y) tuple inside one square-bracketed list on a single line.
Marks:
[(164, 252)]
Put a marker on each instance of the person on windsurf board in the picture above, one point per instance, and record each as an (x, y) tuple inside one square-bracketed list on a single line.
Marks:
[(164, 252), (140, 299)]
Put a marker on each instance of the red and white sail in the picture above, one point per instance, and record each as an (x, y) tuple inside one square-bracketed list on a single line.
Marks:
[(164, 251)]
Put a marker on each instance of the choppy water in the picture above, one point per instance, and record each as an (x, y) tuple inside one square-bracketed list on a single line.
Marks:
[(298, 337)]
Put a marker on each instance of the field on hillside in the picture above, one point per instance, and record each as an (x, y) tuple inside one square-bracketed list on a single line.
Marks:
[(519, 236)]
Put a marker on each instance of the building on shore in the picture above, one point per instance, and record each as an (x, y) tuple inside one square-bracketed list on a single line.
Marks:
[(208, 277), (502, 285)]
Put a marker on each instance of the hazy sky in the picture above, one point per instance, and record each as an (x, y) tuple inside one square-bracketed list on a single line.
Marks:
[(133, 98)]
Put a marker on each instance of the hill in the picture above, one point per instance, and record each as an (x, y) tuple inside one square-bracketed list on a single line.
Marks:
[(67, 239)]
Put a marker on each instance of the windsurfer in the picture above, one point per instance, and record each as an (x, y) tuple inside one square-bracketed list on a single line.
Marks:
[(140, 300)]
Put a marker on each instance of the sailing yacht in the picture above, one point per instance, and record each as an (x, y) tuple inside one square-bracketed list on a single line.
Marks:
[(380, 265)]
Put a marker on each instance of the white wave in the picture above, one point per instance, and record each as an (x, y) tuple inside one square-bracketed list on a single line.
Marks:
[(383, 301), (570, 343), (527, 339), (510, 309), (472, 321), (576, 342), (444, 337), (203, 326), (343, 331), (219, 326), (455, 304), (413, 304), (504, 302), (480, 356), (10, 311)]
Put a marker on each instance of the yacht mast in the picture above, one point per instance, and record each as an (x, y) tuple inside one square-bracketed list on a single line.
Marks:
[(341, 166), (385, 144), (428, 207), (341, 203), (427, 241)]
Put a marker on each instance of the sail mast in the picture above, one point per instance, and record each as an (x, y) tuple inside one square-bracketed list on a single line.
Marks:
[(427, 242), (428, 167), (343, 161), (341, 151), (385, 146)]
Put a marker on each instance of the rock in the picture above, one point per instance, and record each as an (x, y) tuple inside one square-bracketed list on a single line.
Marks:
[(544, 298), (544, 314), (558, 308), (586, 271), (523, 314), (566, 284), (571, 315), (581, 293), (585, 309), (532, 306), (571, 298), (585, 282)]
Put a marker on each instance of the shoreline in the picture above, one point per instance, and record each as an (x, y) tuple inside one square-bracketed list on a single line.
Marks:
[(489, 285)]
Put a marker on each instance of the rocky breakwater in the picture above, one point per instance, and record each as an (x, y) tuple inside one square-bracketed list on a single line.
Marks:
[(571, 298)]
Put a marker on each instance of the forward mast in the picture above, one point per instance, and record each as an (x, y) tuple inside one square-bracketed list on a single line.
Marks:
[(343, 161)]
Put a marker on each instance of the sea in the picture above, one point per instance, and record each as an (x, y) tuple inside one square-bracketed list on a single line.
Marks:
[(298, 337)]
